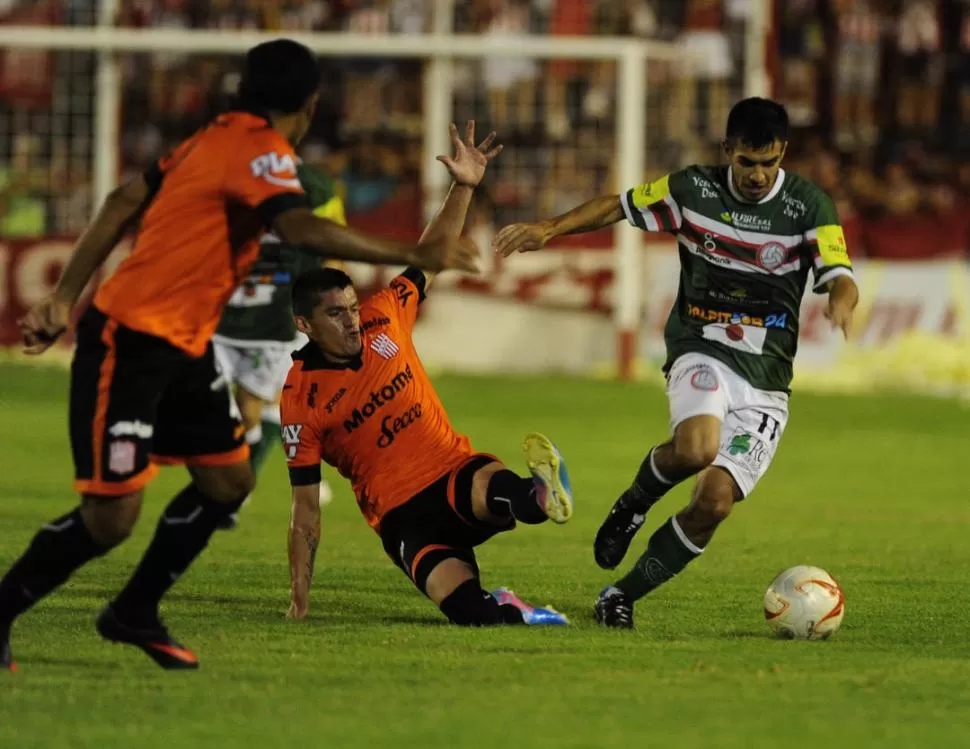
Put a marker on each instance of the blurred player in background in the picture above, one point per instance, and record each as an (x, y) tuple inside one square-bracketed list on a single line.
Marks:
[(748, 234), (144, 383), (256, 334), (359, 399)]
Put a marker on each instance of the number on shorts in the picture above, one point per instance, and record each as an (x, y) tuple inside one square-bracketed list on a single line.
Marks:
[(765, 421)]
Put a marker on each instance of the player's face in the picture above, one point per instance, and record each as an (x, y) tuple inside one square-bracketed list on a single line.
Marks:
[(755, 169), (335, 325)]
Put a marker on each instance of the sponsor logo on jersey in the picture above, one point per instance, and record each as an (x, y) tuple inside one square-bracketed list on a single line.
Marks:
[(746, 449), (736, 318), (708, 190), (404, 291), (378, 399), (270, 167), (333, 401), (384, 346), (794, 208), (736, 296), (704, 379), (291, 439), (746, 221), (391, 426), (377, 322)]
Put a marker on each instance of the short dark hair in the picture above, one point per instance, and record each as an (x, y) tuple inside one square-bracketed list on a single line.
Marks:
[(278, 76), (310, 285), (757, 123)]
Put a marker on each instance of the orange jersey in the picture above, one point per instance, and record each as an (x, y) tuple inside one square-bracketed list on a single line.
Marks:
[(199, 236), (377, 421)]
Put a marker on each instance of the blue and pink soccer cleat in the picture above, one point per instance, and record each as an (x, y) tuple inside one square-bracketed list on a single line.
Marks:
[(548, 470), (531, 615)]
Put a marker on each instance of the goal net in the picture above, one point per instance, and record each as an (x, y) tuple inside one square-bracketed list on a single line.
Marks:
[(85, 107)]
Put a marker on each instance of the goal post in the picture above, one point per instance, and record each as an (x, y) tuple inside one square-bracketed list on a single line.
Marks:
[(441, 50)]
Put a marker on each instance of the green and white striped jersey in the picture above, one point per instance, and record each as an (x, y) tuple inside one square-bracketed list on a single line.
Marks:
[(744, 266)]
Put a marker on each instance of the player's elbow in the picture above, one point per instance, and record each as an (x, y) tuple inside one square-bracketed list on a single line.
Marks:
[(298, 226)]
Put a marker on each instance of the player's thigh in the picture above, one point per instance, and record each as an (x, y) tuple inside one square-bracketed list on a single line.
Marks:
[(118, 380), (199, 423), (696, 386), (750, 437)]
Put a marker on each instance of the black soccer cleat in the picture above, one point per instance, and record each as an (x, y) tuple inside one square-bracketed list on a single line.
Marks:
[(614, 609), (6, 654), (155, 641), (614, 536), (229, 522)]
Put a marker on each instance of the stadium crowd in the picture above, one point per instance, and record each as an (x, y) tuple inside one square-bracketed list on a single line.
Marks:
[(878, 89)]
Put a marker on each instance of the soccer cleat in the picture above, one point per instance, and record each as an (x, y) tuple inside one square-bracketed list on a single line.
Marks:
[(614, 536), (229, 522), (531, 615), (548, 471), (6, 654), (614, 609), (155, 641)]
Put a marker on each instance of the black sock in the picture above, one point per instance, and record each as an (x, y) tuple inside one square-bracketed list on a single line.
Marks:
[(59, 548), (469, 605), (649, 485), (667, 554), (182, 533), (510, 495)]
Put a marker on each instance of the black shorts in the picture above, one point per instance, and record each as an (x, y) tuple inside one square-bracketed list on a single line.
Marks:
[(438, 524), (137, 401)]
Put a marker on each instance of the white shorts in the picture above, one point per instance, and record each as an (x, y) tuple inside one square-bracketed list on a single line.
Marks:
[(259, 367), (752, 420)]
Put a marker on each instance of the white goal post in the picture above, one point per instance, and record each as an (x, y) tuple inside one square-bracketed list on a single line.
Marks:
[(440, 48)]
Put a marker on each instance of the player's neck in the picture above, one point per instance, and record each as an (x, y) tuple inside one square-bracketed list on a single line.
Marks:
[(736, 193)]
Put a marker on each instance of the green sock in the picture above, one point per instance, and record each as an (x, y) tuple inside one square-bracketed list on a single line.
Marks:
[(269, 440), (649, 485), (667, 554)]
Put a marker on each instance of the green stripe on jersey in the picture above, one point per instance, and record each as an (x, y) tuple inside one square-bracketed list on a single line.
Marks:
[(259, 310)]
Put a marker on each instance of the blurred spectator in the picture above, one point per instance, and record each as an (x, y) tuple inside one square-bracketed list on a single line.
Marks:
[(802, 45), (858, 31), (510, 81), (711, 63), (918, 42)]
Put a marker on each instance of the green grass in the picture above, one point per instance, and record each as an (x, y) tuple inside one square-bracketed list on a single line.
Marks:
[(875, 490)]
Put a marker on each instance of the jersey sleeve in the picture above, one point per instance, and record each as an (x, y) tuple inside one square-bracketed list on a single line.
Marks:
[(300, 436), (262, 174), (401, 298), (653, 206), (825, 242)]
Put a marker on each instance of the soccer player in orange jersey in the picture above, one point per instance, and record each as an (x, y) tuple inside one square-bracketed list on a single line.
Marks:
[(358, 399), (144, 386)]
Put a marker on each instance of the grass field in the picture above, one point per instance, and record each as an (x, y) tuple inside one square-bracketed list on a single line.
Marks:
[(875, 490)]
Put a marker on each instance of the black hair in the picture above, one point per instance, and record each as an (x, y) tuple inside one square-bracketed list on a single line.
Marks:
[(757, 123), (278, 76), (310, 285)]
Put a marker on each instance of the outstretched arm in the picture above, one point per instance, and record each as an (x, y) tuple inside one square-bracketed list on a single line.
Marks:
[(590, 216), (467, 168), (304, 540), (43, 324), (843, 298)]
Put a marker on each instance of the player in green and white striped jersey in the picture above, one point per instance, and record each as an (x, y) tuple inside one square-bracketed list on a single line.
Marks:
[(257, 334), (748, 235)]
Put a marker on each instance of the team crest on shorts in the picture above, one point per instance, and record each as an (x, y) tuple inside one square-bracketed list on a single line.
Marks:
[(121, 457), (704, 379), (772, 255)]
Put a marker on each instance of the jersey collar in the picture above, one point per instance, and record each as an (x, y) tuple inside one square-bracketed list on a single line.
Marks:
[(772, 194), (313, 359)]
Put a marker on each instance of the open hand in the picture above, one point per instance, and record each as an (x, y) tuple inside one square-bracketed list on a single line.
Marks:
[(520, 238), (467, 166)]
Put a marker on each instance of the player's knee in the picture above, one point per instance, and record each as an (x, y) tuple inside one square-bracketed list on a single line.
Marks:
[(713, 500), (110, 520), (226, 484), (695, 449)]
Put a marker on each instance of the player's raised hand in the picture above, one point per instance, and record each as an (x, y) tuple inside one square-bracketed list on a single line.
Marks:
[(44, 324), (467, 166), (839, 312), (520, 238)]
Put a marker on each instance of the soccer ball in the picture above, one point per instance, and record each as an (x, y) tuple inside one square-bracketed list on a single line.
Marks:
[(804, 603)]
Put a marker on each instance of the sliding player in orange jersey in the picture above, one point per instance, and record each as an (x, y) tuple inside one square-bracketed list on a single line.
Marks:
[(359, 399)]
